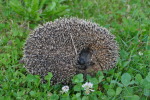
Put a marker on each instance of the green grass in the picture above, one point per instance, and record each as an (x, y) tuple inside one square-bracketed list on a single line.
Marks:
[(128, 20)]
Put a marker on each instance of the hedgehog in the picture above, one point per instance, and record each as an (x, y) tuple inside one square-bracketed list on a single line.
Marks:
[(67, 47)]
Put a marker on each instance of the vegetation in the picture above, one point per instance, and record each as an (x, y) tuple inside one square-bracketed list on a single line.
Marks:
[(128, 20)]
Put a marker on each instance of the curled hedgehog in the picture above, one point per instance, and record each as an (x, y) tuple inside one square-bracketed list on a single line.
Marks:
[(69, 46)]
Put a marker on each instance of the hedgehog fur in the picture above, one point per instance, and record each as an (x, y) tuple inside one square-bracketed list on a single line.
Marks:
[(69, 46)]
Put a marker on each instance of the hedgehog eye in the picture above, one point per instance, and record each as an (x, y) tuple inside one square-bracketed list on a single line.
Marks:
[(92, 63)]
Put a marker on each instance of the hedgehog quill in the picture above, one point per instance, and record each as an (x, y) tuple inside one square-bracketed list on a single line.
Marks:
[(69, 46)]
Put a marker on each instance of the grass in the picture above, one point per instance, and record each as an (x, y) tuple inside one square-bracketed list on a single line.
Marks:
[(128, 20)]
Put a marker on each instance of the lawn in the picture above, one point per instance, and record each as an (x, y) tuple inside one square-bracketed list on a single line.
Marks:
[(128, 20)]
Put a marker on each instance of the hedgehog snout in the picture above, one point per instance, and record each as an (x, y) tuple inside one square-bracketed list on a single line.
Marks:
[(84, 59)]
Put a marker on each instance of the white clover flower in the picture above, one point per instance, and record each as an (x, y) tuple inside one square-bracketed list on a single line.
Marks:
[(65, 89), (88, 87), (140, 53)]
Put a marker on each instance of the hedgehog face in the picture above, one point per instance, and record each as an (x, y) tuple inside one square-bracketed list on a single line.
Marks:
[(84, 59)]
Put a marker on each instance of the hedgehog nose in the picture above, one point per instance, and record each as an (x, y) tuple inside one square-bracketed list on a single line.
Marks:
[(81, 61)]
